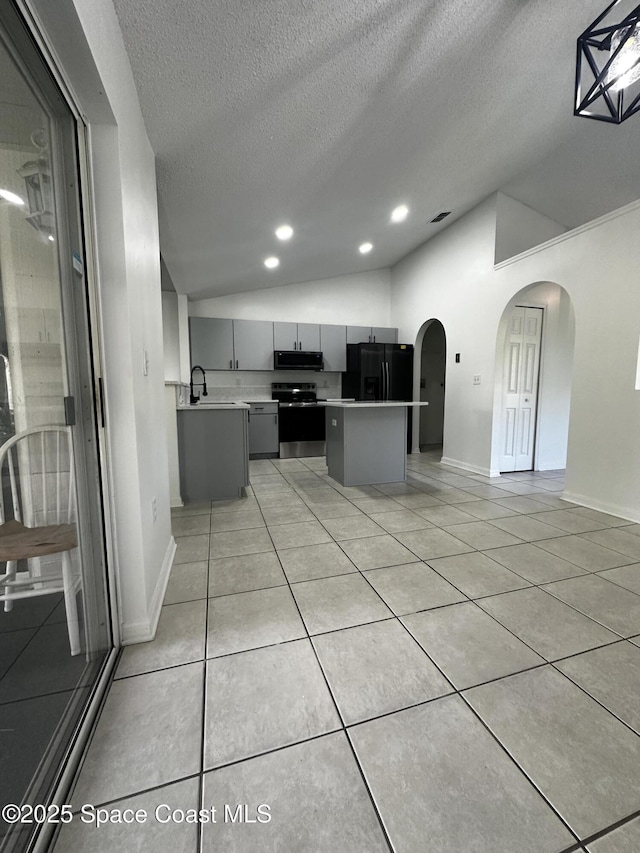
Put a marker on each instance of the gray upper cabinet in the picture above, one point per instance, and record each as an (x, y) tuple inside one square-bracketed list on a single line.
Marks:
[(231, 344), (371, 335), (309, 337), (333, 343), (304, 337), (211, 342), (285, 336), (358, 334), (253, 345), (380, 335), (219, 344)]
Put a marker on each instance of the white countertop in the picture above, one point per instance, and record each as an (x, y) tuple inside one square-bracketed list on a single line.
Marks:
[(185, 407), (372, 404)]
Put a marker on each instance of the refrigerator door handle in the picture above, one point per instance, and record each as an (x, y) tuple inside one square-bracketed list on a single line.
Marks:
[(388, 382)]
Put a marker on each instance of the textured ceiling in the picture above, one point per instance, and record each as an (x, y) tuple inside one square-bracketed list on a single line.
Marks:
[(326, 114)]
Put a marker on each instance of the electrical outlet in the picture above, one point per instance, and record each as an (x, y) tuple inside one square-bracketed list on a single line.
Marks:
[(154, 510), (476, 379)]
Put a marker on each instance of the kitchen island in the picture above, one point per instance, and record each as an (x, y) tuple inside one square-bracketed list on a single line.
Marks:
[(367, 441), (213, 451)]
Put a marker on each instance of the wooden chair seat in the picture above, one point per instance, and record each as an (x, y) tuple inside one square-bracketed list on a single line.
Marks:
[(18, 542), (37, 466)]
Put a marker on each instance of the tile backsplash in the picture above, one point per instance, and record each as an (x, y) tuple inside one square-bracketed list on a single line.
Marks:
[(238, 385)]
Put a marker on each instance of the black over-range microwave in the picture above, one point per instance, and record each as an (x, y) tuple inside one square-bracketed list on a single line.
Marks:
[(296, 360)]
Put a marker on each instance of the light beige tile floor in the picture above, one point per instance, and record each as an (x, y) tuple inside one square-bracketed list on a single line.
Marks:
[(447, 664)]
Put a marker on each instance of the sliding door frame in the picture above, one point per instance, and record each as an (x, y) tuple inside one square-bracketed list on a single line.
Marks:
[(89, 370)]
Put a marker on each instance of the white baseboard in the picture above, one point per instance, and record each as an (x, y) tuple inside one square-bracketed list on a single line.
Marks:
[(176, 502), (474, 469), (560, 465), (632, 514), (145, 629)]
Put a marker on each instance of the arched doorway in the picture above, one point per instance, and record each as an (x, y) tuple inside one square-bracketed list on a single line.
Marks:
[(534, 362), (432, 353)]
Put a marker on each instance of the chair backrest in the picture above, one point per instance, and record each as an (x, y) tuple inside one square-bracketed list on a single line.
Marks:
[(36, 473)]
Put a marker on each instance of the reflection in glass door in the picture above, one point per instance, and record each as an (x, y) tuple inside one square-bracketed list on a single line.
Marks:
[(54, 627)]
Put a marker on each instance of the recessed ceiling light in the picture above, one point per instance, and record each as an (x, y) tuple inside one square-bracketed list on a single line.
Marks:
[(271, 263), (51, 238), (365, 248), (7, 195), (399, 214), (284, 232)]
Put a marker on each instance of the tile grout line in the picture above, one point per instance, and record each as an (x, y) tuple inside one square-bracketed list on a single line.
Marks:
[(513, 759), (203, 725), (622, 639), (337, 709), (455, 692)]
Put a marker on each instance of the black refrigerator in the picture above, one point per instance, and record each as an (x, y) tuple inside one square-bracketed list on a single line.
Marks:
[(380, 372)]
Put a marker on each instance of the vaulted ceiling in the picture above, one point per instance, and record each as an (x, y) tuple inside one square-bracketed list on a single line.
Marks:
[(326, 114)]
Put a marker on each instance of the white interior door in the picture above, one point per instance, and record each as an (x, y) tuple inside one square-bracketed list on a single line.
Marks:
[(520, 388)]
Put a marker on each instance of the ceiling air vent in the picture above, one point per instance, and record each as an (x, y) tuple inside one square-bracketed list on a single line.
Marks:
[(441, 216)]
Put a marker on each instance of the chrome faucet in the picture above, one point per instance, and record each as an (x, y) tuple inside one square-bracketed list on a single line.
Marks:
[(192, 398)]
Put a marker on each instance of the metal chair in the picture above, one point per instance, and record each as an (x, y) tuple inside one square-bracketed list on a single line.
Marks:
[(36, 468)]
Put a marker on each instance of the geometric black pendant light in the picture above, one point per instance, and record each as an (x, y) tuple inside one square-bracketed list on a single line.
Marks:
[(608, 66)]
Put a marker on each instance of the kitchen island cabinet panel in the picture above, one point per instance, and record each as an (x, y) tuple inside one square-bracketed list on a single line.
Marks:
[(366, 445), (213, 453)]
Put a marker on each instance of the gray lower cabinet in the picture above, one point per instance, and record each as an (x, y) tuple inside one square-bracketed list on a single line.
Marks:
[(333, 343), (213, 453), (211, 341), (263, 431)]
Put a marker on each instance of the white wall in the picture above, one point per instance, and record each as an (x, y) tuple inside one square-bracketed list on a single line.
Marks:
[(362, 299), (171, 337), (86, 37), (448, 279), (453, 279), (520, 227)]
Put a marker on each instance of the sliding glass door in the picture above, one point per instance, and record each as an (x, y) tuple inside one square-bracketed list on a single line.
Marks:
[(55, 632)]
